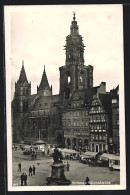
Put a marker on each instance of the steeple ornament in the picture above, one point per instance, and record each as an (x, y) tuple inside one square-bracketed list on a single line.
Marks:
[(74, 16)]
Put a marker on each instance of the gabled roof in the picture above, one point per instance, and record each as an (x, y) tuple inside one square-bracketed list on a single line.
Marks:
[(43, 102), (84, 94), (106, 102), (89, 94)]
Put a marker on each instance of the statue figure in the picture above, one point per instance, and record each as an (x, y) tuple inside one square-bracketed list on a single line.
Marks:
[(57, 156)]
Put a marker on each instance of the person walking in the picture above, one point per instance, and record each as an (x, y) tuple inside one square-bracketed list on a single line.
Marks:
[(22, 179), (25, 179), (34, 170), (68, 166), (19, 167), (30, 171), (87, 181)]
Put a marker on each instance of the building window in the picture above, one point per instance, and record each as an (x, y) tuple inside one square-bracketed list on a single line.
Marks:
[(114, 101), (86, 112), (74, 114), (99, 108), (69, 123), (64, 123), (80, 78), (68, 79), (96, 137), (103, 117), (86, 123), (100, 137), (77, 113), (82, 122), (82, 112), (74, 123), (77, 123), (98, 118)]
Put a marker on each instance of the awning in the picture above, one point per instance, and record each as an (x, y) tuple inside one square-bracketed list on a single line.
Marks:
[(110, 156), (40, 142), (89, 154)]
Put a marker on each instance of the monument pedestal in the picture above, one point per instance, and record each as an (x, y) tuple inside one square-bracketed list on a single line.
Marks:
[(57, 175)]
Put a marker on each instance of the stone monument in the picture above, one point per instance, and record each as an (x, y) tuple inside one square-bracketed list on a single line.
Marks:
[(57, 174)]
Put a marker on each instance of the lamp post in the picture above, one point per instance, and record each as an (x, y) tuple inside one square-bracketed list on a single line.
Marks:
[(39, 134)]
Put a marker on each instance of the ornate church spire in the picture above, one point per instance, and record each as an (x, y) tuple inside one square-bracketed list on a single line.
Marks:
[(74, 45), (22, 77), (44, 85), (74, 27)]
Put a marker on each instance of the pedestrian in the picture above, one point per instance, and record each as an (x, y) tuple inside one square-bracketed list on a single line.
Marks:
[(19, 167), (68, 166), (70, 156), (30, 171), (32, 156), (22, 179), (25, 179), (34, 170), (87, 181)]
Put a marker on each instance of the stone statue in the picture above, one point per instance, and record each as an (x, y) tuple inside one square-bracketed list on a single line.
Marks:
[(57, 156)]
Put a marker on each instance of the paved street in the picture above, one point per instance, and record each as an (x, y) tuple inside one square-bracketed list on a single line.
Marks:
[(78, 171)]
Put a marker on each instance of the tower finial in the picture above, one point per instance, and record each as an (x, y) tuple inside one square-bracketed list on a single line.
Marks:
[(44, 68), (22, 62), (74, 16)]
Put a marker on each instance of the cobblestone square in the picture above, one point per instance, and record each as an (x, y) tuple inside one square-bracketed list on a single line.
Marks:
[(77, 173)]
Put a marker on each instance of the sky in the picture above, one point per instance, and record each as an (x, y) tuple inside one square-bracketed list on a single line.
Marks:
[(37, 34)]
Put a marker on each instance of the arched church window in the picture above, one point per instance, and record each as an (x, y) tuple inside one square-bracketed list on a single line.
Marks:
[(69, 79), (81, 78)]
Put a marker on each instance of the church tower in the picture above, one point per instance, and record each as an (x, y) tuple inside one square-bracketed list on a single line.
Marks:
[(74, 75), (20, 105), (22, 92), (44, 88)]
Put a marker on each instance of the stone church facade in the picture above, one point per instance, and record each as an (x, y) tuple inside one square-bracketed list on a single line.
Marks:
[(79, 117)]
